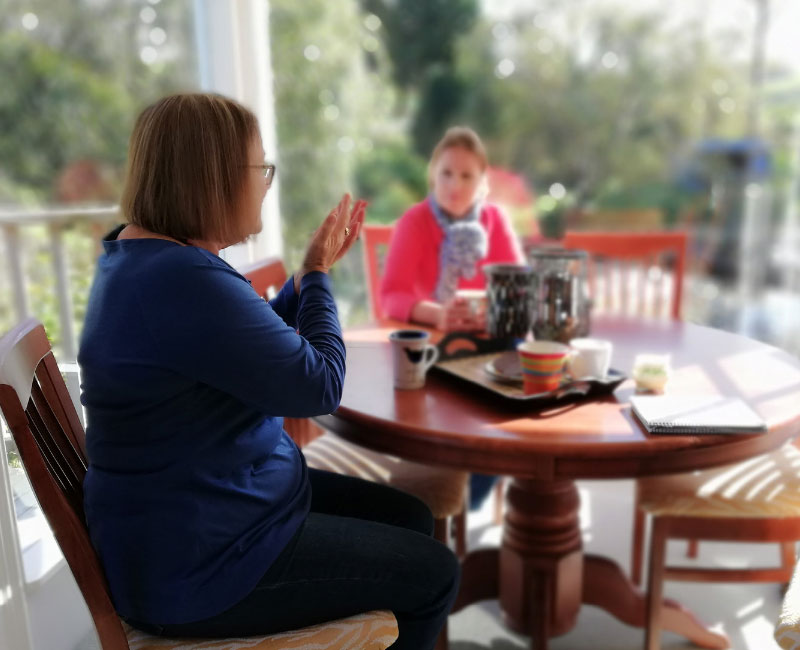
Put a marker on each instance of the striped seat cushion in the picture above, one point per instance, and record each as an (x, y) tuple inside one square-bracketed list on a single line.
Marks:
[(443, 490), (787, 631), (370, 631), (763, 486)]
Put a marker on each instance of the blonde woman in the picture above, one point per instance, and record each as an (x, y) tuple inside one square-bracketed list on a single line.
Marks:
[(441, 244)]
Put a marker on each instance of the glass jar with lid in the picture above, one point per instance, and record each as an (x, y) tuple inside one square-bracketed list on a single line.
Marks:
[(562, 305)]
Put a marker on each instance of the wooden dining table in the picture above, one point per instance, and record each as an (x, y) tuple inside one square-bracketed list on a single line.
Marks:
[(540, 573)]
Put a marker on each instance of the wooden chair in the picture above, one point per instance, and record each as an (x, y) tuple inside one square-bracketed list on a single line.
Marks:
[(443, 490), (634, 272), (728, 504), (375, 241), (50, 439), (757, 500), (647, 269)]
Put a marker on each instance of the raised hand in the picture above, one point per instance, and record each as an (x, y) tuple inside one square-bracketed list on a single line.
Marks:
[(333, 238)]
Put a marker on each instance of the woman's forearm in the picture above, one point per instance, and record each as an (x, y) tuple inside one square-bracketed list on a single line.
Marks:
[(427, 312)]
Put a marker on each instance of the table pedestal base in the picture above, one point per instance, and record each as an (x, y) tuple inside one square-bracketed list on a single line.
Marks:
[(542, 577)]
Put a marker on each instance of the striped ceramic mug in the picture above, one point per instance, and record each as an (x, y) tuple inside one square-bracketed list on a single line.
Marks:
[(543, 364)]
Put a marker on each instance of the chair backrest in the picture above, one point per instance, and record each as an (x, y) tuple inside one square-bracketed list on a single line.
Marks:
[(51, 444), (634, 272), (376, 240), (267, 276)]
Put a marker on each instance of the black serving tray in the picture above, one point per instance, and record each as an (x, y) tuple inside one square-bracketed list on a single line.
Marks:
[(475, 360)]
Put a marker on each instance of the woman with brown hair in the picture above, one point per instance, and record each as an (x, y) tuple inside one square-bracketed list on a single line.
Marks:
[(202, 510)]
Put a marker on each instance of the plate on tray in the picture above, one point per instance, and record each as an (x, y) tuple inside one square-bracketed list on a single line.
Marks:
[(505, 368)]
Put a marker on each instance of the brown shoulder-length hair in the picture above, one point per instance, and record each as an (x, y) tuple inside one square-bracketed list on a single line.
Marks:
[(186, 167), (458, 136)]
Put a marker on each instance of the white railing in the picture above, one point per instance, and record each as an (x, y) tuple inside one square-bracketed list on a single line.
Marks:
[(56, 221)]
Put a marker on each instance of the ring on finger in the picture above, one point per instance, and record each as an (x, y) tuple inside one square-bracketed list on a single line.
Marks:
[(346, 231)]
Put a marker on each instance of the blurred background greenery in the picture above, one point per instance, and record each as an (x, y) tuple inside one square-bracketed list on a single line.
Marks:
[(610, 114)]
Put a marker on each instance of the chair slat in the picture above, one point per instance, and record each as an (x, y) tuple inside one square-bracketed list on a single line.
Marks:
[(57, 395), (639, 250), (69, 457), (59, 469), (375, 240)]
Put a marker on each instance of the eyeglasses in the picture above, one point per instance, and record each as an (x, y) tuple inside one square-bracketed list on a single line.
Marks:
[(267, 169)]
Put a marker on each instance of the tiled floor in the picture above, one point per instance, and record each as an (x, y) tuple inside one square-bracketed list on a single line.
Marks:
[(746, 612)]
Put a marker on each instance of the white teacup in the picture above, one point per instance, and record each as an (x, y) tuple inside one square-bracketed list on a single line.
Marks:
[(412, 356), (590, 358), (475, 298)]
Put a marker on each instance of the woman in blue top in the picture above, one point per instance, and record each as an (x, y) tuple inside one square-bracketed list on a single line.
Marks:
[(204, 514)]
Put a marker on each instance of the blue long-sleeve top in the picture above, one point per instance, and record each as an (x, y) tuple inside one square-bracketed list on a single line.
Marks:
[(193, 486)]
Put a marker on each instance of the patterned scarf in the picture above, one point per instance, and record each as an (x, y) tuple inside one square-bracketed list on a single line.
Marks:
[(464, 244)]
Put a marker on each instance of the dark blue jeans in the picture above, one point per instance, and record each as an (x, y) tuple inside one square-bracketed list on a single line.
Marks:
[(480, 485), (363, 547)]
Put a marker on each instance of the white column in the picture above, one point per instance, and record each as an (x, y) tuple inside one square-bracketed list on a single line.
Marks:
[(787, 247), (233, 51), (14, 624), (14, 256)]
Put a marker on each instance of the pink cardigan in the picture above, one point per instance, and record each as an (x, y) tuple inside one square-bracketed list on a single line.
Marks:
[(412, 264)]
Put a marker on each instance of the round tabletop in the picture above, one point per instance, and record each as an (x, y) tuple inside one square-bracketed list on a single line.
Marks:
[(452, 423)]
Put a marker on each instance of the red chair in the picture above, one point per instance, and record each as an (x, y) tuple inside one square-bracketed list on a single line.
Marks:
[(634, 272), (628, 262), (50, 439), (375, 240), (443, 490)]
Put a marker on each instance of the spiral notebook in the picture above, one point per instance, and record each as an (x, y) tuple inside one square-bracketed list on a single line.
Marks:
[(696, 414)]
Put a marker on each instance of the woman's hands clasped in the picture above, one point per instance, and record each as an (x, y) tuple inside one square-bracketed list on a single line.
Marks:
[(333, 238), (461, 315)]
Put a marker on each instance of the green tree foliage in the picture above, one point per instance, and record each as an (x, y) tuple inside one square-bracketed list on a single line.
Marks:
[(420, 34), (72, 83), (329, 108), (61, 112), (612, 107), (421, 38), (71, 89), (392, 178)]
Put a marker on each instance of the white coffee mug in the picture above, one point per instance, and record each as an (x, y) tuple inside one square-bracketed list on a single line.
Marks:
[(412, 356), (590, 358)]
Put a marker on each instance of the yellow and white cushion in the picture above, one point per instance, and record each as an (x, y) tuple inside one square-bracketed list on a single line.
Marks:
[(763, 486), (370, 631)]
